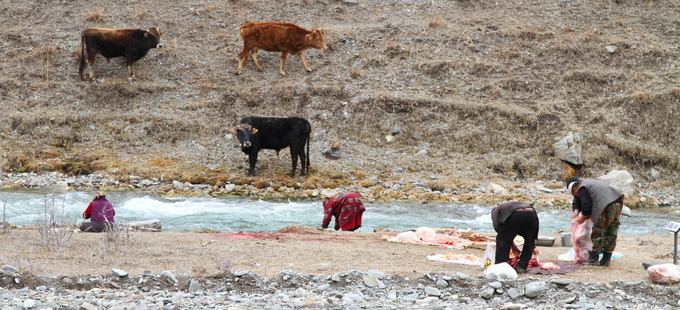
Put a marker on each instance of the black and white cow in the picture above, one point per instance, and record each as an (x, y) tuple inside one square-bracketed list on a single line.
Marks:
[(274, 133)]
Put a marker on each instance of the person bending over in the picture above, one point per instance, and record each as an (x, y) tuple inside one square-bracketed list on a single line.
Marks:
[(511, 219), (601, 203), (347, 209)]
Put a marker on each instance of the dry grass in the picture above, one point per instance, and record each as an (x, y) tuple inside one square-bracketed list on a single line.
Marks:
[(139, 14), (95, 15), (436, 22)]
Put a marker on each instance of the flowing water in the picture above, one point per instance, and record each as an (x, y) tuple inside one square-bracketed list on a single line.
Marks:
[(236, 214)]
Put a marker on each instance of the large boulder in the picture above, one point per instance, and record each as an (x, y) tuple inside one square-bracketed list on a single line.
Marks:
[(569, 148), (623, 182)]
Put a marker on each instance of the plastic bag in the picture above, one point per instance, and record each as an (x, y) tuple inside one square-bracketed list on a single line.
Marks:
[(580, 238), (500, 272), (664, 273), (489, 255)]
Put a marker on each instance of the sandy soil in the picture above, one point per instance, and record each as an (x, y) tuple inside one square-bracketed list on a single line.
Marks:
[(314, 252)]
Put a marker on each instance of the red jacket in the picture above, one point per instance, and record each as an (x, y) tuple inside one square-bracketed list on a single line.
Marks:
[(347, 210)]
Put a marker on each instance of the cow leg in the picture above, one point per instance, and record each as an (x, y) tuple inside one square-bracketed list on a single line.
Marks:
[(242, 58), (252, 159), (282, 63), (253, 55), (294, 157), (131, 76), (304, 61), (303, 160), (91, 57)]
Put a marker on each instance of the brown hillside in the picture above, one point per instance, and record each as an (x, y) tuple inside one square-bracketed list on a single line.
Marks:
[(485, 87)]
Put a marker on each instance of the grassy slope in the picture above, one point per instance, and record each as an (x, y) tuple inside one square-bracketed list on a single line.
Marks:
[(485, 86)]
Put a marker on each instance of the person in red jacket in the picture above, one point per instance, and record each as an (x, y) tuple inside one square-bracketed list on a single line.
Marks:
[(100, 213), (347, 209)]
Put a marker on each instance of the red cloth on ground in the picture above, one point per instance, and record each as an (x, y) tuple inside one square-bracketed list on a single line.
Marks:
[(513, 259), (347, 210)]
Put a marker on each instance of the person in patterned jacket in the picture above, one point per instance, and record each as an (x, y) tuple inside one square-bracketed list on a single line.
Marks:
[(347, 209)]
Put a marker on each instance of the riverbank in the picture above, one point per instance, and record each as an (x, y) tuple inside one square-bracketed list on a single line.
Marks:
[(304, 267)]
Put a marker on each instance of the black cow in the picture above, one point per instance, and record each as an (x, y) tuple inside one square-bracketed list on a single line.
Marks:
[(273, 133), (133, 44)]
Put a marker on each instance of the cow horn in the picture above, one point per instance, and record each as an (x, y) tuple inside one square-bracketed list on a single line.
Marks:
[(253, 130)]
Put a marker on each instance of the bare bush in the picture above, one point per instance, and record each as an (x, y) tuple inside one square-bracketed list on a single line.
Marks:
[(4, 224), (117, 235), (95, 15), (55, 225)]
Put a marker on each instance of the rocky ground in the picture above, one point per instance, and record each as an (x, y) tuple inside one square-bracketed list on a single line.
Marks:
[(346, 290)]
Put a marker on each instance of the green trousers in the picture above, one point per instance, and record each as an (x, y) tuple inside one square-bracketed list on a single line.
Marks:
[(607, 228)]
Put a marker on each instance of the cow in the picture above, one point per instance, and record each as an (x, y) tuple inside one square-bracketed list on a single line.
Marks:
[(133, 44), (274, 133), (278, 37)]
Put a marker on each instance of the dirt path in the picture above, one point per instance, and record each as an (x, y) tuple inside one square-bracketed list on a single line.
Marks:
[(314, 252)]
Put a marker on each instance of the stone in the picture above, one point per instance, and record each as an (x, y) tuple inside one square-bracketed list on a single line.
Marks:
[(622, 181), (487, 292), (535, 289), (168, 277), (376, 273), (352, 298), (492, 188), (28, 303), (333, 152), (336, 277), (560, 282), (389, 138), (87, 306), (514, 293), (119, 273), (500, 272), (395, 130), (323, 287), (229, 187), (512, 306), (194, 286), (371, 281), (570, 148), (432, 291), (611, 49), (10, 270), (441, 283), (496, 285), (300, 292), (240, 273)]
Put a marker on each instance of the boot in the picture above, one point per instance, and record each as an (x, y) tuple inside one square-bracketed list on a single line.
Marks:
[(592, 258), (606, 257)]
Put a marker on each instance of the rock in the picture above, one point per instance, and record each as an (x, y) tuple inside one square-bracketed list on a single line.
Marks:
[(569, 148), (229, 187), (514, 293), (153, 225), (487, 293), (28, 303), (168, 277), (10, 270), (351, 2), (119, 273), (421, 152), (535, 289), (352, 298), (240, 273), (395, 130), (333, 152), (654, 173), (512, 306), (496, 285), (336, 277), (300, 292), (432, 291), (622, 181), (560, 282), (626, 211), (323, 287), (177, 184), (389, 138), (87, 306), (371, 281), (441, 283), (492, 188), (611, 49), (376, 273), (194, 286)]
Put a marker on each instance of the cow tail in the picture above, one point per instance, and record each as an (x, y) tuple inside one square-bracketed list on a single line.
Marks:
[(309, 137), (82, 55)]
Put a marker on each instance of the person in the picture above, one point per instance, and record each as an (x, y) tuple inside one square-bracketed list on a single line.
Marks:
[(346, 208), (597, 201), (511, 219), (100, 213)]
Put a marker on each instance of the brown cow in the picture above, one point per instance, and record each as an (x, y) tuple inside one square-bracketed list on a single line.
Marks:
[(278, 37), (133, 44)]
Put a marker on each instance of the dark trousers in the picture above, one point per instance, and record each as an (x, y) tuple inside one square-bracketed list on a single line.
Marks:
[(90, 226), (522, 223)]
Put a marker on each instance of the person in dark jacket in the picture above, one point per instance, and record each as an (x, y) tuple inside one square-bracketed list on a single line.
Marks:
[(100, 213), (601, 203), (511, 219), (346, 208)]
